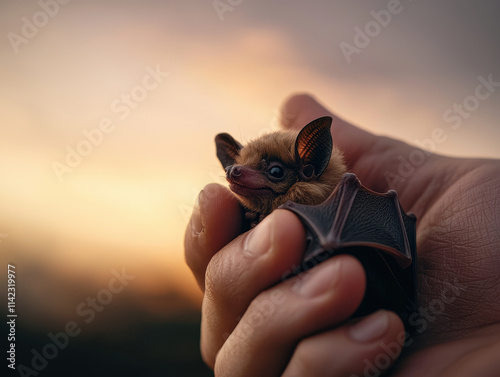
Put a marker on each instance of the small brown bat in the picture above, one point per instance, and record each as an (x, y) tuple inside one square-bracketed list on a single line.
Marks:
[(302, 167), (305, 174)]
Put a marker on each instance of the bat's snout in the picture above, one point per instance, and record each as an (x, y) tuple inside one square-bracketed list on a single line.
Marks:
[(233, 171), (244, 176), (247, 182)]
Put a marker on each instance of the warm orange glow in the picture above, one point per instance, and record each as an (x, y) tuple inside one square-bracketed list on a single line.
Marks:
[(128, 201)]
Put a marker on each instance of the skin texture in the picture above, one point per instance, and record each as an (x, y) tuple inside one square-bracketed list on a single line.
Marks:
[(254, 324)]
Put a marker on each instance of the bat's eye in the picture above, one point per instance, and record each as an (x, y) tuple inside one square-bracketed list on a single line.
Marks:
[(276, 172)]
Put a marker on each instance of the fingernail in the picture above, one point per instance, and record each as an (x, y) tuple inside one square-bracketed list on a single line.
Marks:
[(196, 223), (258, 239), (371, 327), (320, 281)]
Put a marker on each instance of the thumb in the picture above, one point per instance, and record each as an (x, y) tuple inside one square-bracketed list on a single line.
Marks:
[(374, 159)]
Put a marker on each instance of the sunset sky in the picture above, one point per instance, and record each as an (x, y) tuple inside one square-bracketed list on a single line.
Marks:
[(126, 203)]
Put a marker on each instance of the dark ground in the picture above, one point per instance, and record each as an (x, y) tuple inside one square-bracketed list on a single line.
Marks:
[(148, 349)]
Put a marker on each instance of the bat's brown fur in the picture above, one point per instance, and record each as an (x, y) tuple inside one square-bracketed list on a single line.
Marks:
[(279, 146)]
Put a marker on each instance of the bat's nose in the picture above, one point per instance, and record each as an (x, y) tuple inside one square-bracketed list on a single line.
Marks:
[(233, 171)]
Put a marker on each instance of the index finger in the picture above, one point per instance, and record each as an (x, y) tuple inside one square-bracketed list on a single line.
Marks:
[(216, 221)]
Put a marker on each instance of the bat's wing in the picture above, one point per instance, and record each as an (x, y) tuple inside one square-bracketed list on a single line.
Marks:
[(374, 228)]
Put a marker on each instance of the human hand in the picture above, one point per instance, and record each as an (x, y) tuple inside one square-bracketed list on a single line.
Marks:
[(458, 244)]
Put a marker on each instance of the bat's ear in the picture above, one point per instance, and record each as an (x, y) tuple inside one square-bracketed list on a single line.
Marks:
[(313, 148), (227, 149)]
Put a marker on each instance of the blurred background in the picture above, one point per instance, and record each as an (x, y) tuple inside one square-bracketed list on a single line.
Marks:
[(108, 112)]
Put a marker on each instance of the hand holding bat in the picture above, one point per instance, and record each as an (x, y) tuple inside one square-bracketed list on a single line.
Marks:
[(251, 326)]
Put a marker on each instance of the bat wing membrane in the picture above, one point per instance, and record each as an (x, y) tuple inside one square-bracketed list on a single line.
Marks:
[(375, 229)]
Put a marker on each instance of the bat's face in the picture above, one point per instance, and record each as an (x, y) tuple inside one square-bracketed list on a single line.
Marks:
[(264, 172)]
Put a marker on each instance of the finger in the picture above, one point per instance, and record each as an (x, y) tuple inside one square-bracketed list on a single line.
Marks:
[(245, 267), (366, 348), (481, 361), (216, 220), (264, 339)]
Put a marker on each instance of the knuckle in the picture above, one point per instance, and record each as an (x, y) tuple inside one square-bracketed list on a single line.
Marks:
[(300, 97)]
